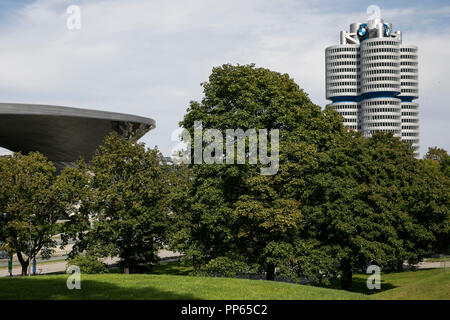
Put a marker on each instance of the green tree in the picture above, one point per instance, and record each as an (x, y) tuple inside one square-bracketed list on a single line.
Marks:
[(124, 206), (367, 203), (441, 156), (435, 153), (74, 184), (338, 203), (429, 202), (29, 206), (232, 209)]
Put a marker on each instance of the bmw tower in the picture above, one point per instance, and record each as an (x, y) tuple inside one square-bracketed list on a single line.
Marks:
[(372, 81)]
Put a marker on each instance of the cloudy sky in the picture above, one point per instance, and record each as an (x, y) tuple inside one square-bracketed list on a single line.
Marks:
[(148, 57)]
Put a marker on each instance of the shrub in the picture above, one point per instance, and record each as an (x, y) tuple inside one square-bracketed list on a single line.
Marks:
[(88, 264), (225, 267)]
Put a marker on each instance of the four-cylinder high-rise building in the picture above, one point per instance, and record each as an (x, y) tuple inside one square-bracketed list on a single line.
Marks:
[(372, 81)]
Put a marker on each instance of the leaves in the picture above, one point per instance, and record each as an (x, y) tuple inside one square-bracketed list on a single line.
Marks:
[(29, 204), (124, 195), (338, 202)]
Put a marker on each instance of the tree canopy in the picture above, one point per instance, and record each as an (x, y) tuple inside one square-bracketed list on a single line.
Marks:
[(338, 203), (124, 205), (29, 205), (220, 214)]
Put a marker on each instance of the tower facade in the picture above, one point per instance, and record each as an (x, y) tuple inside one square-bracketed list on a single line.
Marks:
[(372, 81)]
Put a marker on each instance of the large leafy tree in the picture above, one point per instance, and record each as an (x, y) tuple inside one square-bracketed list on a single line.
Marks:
[(368, 202), (29, 206), (430, 203), (232, 209), (338, 203), (123, 202)]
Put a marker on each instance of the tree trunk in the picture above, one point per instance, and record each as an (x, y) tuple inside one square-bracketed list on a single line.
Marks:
[(10, 265), (25, 269), (24, 263), (270, 273), (126, 265), (194, 263), (399, 267), (346, 277)]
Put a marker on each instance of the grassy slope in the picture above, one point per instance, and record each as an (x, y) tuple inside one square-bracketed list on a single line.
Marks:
[(424, 284), (140, 286), (170, 281), (430, 284)]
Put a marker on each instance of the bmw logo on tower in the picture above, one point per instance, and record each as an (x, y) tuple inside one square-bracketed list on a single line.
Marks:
[(362, 31)]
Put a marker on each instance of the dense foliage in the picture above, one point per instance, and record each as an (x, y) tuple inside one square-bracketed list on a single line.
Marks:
[(122, 209), (244, 97), (338, 203), (30, 205), (88, 264)]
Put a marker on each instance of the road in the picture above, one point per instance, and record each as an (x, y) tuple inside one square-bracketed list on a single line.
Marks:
[(61, 266)]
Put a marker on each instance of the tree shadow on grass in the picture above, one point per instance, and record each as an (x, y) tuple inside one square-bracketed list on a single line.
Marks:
[(175, 268), (38, 288), (359, 285)]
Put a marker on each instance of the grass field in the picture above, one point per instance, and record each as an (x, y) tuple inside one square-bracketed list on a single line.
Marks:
[(429, 284), (171, 281), (139, 286), (423, 284)]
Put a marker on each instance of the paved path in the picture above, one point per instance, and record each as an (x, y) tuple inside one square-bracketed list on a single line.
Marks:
[(40, 269), (428, 265), (61, 266), (59, 254), (166, 255)]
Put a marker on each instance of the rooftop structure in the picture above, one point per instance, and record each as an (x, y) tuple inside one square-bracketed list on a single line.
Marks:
[(64, 134)]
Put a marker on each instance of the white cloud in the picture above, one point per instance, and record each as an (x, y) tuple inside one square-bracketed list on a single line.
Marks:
[(149, 57)]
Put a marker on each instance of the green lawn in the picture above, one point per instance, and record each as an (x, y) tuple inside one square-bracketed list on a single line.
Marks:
[(172, 281), (423, 284), (140, 286), (429, 284)]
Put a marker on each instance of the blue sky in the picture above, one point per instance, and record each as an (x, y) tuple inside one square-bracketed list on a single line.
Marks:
[(8, 6), (148, 57)]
